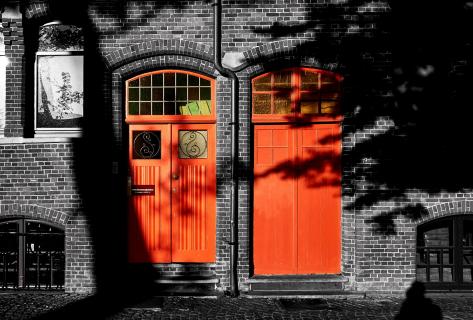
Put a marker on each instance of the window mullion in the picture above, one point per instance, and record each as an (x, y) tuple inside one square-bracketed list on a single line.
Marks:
[(296, 92), (273, 92)]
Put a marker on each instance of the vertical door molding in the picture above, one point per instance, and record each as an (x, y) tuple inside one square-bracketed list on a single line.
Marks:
[(193, 184), (150, 207)]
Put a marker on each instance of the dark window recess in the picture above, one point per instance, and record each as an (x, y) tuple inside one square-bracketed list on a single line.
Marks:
[(146, 144), (444, 256), (31, 255)]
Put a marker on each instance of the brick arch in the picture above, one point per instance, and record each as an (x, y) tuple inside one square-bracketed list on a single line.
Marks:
[(167, 61), (447, 209), (34, 212), (155, 48), (142, 65), (270, 55)]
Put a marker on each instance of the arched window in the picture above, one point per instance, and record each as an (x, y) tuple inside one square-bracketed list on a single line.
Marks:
[(445, 253), (31, 255), (170, 95), (296, 92)]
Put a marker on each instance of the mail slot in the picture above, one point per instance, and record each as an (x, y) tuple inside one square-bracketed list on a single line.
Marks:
[(139, 190)]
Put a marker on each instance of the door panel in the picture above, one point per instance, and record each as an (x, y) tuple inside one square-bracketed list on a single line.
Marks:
[(150, 213), (297, 199), (275, 216), (193, 193), (172, 205), (318, 199)]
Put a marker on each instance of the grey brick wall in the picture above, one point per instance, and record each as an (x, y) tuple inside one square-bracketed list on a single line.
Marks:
[(39, 174), (38, 180), (131, 37), (14, 50)]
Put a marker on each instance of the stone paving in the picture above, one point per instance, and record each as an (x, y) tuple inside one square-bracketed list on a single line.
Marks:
[(42, 305)]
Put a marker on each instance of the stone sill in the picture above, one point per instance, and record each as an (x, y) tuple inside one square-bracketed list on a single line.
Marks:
[(19, 140)]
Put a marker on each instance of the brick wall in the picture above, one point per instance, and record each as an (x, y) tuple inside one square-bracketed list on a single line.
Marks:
[(38, 181), (130, 37), (14, 51), (39, 174)]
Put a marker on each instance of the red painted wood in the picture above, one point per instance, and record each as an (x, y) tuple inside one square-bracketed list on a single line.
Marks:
[(297, 199), (318, 199), (150, 215), (275, 212), (177, 223), (193, 200)]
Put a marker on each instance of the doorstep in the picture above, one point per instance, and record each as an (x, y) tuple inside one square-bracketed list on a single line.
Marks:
[(298, 285)]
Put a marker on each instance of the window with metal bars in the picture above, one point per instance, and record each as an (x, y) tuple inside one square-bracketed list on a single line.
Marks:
[(444, 256), (31, 255)]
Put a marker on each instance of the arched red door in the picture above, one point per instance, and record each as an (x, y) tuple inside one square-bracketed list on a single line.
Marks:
[(297, 189), (172, 168)]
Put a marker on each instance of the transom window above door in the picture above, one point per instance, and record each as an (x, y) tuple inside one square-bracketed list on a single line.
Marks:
[(170, 95), (294, 93)]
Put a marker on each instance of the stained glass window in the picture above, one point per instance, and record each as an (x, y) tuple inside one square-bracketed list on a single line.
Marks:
[(146, 145), (169, 93), (193, 144)]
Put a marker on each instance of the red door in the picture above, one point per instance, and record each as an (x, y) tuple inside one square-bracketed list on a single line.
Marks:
[(297, 199), (172, 199)]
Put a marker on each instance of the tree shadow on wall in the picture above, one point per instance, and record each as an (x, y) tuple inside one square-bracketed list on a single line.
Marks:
[(100, 224), (423, 147), (100, 167), (407, 116)]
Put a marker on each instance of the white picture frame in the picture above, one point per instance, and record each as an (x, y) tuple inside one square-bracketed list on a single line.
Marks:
[(59, 93)]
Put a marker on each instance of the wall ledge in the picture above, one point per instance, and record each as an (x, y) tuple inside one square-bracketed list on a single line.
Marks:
[(19, 140)]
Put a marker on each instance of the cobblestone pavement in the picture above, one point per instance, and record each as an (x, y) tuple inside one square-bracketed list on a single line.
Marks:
[(41, 305)]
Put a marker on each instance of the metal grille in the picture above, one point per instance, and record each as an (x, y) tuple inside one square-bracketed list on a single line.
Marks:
[(31, 255)]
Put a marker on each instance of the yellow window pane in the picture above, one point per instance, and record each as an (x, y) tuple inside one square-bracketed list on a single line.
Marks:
[(282, 103), (330, 107), (310, 80), (263, 83), (330, 83), (282, 80), (308, 107), (262, 104)]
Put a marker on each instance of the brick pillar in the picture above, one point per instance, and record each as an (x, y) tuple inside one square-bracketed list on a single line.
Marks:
[(80, 262), (12, 28)]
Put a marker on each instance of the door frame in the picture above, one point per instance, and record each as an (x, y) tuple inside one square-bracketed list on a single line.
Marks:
[(172, 162)]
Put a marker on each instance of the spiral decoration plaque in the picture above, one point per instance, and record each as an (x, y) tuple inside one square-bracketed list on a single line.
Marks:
[(192, 144), (146, 145)]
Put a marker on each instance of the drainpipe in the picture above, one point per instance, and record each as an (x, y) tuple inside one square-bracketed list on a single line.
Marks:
[(217, 12), (3, 86)]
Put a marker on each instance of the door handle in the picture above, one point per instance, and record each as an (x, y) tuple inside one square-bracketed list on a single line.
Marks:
[(175, 176)]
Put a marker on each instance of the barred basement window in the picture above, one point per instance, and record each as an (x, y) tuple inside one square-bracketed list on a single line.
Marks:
[(445, 253), (170, 95), (31, 255)]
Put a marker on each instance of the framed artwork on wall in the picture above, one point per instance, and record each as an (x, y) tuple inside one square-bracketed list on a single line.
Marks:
[(59, 93)]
